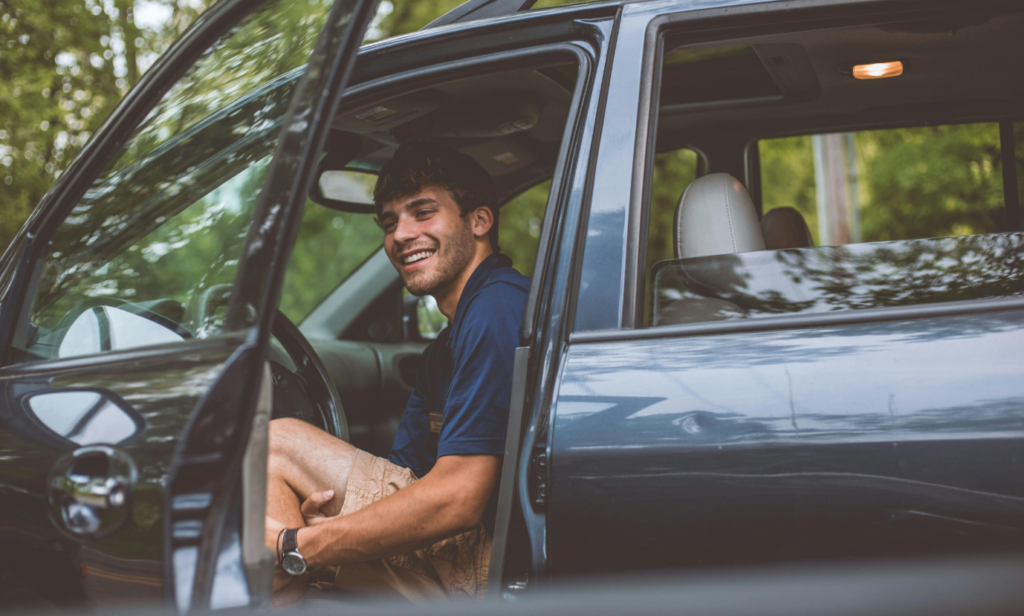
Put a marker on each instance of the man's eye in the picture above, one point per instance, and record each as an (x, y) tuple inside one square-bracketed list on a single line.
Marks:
[(388, 227), (424, 212)]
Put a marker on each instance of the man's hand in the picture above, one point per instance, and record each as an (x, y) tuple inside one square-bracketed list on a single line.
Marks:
[(448, 500), (312, 511)]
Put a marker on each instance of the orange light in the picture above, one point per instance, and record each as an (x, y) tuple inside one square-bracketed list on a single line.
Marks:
[(878, 70)]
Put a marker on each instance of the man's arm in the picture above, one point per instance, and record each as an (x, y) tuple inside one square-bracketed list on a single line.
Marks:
[(449, 500)]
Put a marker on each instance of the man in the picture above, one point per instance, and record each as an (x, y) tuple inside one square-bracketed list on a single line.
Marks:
[(415, 523)]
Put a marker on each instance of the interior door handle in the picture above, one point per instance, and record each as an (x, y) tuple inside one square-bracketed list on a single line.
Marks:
[(91, 489)]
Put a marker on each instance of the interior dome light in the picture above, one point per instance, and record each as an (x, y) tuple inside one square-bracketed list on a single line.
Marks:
[(878, 70)]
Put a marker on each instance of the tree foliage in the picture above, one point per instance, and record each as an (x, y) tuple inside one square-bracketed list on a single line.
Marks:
[(64, 65)]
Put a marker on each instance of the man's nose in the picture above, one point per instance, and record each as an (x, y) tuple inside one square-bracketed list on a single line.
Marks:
[(405, 230)]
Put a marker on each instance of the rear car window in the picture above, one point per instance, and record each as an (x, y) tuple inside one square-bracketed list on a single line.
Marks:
[(897, 217), (893, 184)]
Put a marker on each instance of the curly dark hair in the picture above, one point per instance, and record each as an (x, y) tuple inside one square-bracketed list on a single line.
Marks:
[(428, 164)]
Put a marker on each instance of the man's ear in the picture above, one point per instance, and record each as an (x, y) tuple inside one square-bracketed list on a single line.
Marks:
[(481, 219)]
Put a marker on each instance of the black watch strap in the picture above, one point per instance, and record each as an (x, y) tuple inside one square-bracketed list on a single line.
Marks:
[(291, 541)]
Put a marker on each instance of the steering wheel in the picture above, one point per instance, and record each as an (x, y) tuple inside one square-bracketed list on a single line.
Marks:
[(308, 393)]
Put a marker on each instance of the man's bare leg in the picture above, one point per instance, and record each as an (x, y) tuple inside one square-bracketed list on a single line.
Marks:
[(302, 460)]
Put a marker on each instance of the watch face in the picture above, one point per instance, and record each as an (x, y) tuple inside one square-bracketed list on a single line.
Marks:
[(293, 563)]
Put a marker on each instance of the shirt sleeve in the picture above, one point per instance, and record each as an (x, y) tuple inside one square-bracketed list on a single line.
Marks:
[(409, 450), (476, 413)]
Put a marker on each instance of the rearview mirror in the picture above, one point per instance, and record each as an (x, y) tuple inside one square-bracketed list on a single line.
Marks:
[(347, 190)]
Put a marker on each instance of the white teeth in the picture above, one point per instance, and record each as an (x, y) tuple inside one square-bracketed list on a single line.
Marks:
[(419, 256)]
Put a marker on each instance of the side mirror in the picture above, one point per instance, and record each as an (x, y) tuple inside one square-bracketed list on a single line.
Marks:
[(105, 328), (422, 318), (84, 417), (346, 190), (429, 320)]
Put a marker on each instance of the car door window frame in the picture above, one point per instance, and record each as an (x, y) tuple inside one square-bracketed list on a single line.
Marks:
[(602, 319), (322, 320)]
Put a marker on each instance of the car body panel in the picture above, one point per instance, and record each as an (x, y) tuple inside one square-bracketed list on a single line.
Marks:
[(862, 440)]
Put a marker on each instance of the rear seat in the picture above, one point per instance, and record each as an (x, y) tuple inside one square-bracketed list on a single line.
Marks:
[(785, 227), (715, 216)]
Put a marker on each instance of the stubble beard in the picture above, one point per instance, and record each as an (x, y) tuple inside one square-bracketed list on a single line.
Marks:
[(454, 254)]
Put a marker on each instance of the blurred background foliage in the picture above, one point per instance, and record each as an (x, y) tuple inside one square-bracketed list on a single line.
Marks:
[(65, 64)]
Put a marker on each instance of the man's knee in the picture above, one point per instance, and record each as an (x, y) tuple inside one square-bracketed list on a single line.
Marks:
[(286, 436)]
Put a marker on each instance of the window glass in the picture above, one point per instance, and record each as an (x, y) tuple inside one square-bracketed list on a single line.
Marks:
[(898, 217), (673, 172), (894, 184), (157, 238), (329, 247), (519, 226)]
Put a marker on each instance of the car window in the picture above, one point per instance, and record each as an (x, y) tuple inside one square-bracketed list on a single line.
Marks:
[(329, 247), (893, 184), (153, 246), (519, 226), (903, 215), (673, 172), (897, 217)]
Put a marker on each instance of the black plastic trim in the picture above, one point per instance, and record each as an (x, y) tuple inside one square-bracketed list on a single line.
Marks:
[(1011, 191)]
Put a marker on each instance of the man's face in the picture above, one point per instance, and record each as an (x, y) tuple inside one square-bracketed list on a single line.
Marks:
[(427, 239)]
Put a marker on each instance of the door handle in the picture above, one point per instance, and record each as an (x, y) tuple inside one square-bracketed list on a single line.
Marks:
[(90, 491)]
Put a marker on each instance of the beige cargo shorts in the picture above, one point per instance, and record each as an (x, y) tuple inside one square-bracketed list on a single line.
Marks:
[(455, 568)]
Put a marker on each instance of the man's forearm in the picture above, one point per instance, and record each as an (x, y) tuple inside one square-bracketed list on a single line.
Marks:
[(441, 505)]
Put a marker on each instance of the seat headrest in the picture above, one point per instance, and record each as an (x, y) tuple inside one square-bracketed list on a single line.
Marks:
[(785, 227), (716, 216)]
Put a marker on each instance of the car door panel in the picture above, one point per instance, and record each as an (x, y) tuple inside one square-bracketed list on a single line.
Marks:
[(194, 399), (163, 386), (895, 438)]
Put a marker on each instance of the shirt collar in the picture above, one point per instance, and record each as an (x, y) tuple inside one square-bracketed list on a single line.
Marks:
[(475, 282)]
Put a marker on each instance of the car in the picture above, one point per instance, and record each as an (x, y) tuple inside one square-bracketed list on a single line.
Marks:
[(706, 380)]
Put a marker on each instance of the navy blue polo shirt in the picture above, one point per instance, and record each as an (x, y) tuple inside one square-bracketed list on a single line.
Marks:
[(464, 378)]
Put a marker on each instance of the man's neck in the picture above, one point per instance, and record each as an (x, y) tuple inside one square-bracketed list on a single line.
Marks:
[(448, 298)]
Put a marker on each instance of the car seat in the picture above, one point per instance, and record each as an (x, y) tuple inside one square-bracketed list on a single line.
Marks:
[(715, 216)]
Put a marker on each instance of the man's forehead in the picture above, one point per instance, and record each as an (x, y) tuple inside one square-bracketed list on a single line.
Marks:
[(427, 194)]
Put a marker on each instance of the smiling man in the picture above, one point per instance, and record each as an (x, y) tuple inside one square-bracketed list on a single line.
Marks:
[(420, 522)]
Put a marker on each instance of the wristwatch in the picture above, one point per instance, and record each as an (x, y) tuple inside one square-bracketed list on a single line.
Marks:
[(292, 562)]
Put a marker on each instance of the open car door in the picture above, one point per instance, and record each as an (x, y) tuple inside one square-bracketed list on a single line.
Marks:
[(135, 314)]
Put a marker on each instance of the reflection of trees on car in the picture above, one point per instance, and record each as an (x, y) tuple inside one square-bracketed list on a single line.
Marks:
[(189, 177), (851, 277)]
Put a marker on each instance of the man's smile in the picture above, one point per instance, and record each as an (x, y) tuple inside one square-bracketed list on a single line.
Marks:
[(416, 259)]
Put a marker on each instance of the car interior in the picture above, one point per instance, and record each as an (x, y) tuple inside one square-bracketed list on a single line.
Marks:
[(368, 331), (741, 247)]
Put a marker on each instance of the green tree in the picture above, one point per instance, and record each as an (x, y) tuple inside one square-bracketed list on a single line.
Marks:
[(64, 65)]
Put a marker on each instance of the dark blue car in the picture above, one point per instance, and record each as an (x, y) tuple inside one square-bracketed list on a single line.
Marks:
[(776, 314)]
